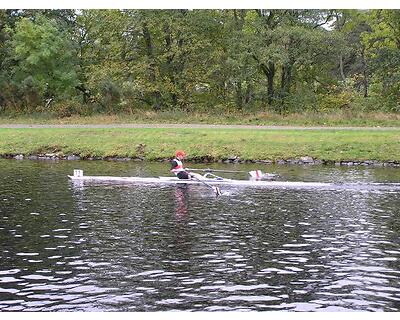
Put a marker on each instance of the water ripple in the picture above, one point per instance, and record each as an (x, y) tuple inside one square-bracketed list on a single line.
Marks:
[(167, 248)]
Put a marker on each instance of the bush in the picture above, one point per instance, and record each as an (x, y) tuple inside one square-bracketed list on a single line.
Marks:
[(31, 93), (64, 109), (335, 101), (110, 95)]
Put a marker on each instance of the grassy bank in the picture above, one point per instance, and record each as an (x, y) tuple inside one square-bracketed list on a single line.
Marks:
[(333, 118), (214, 144)]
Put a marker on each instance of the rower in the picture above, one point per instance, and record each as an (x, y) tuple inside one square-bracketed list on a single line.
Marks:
[(177, 167), (181, 173)]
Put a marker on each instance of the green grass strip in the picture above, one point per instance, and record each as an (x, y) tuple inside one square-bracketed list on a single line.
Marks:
[(152, 144)]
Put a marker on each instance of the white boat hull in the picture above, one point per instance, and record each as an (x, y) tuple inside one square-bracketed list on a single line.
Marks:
[(173, 180), (78, 177)]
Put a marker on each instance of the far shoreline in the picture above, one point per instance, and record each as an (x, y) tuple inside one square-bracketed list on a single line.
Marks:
[(303, 161)]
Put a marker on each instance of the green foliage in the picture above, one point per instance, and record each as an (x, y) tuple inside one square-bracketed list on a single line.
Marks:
[(383, 43), (44, 61), (341, 100), (113, 61), (110, 94)]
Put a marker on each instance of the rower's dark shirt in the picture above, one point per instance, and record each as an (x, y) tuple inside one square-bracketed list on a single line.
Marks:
[(174, 164)]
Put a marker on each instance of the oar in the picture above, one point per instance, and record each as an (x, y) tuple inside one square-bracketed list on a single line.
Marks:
[(256, 174), (216, 170), (214, 188)]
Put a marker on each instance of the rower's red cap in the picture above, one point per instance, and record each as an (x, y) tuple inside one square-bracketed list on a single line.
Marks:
[(180, 153)]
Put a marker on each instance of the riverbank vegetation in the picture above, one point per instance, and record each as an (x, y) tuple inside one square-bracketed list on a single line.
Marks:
[(63, 63), (204, 144)]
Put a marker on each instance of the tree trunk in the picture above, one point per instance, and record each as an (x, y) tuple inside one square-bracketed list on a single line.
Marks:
[(269, 72), (239, 18), (339, 25), (341, 68), (286, 79), (239, 95), (156, 95), (248, 95), (175, 63), (270, 78), (365, 79), (85, 92), (268, 68)]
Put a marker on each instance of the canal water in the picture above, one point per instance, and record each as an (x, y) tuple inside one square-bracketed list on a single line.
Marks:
[(109, 247)]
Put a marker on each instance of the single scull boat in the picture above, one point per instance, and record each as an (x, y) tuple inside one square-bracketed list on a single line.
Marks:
[(78, 176)]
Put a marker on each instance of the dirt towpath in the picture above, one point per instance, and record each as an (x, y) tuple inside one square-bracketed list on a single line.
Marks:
[(191, 126)]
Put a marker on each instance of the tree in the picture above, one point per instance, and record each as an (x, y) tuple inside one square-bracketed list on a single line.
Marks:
[(104, 56), (119, 60), (44, 58), (264, 50), (5, 33), (292, 43), (239, 66), (383, 52)]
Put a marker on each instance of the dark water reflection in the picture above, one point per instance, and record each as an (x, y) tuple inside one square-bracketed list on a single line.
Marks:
[(67, 247)]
